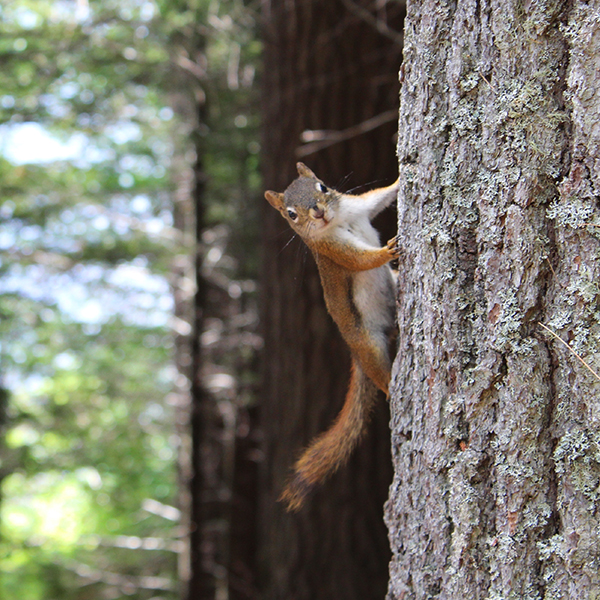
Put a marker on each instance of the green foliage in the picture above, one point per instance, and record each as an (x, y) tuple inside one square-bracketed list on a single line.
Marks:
[(87, 245)]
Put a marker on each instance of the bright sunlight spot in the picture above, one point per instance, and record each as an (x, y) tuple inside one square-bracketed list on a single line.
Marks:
[(30, 143)]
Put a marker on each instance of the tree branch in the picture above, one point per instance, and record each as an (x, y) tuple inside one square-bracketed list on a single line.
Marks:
[(127, 582), (380, 25), (320, 139)]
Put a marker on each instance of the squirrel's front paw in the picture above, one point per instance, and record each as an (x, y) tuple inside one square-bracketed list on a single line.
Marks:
[(393, 247)]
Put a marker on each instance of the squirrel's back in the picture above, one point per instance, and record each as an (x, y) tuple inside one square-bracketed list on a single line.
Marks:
[(359, 294)]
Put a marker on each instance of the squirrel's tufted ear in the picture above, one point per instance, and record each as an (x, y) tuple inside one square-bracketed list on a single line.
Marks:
[(304, 171), (275, 199)]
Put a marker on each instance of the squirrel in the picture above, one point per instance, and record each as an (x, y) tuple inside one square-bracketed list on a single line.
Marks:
[(359, 294)]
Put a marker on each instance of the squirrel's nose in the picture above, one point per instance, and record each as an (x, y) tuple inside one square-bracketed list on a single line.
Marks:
[(318, 213)]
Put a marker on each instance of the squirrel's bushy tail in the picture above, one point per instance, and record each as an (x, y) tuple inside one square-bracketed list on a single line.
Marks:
[(331, 449)]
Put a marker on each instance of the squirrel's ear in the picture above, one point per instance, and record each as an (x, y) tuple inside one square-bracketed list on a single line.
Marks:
[(304, 171), (275, 199)]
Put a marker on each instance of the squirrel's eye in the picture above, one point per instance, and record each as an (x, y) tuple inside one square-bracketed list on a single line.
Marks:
[(320, 187), (293, 215)]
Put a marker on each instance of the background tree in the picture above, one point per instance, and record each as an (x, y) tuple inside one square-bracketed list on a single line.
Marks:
[(219, 49), (330, 80), (494, 413), (89, 455), (92, 245)]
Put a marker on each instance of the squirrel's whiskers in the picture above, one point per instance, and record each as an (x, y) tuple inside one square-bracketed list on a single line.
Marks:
[(359, 294)]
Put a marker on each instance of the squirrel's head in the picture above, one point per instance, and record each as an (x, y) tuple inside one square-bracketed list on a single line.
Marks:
[(308, 205)]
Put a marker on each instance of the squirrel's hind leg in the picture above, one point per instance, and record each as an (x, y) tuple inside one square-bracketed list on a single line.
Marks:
[(373, 356)]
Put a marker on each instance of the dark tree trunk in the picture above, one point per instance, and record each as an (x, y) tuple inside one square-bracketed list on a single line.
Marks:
[(188, 397), (325, 69), (496, 424)]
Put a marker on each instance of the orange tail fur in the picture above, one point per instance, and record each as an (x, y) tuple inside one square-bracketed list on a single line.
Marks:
[(331, 449)]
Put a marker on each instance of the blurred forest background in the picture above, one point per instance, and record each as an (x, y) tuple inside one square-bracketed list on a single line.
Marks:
[(119, 119), (132, 232)]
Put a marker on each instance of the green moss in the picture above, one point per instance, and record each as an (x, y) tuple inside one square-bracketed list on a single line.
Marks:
[(570, 211), (561, 319), (465, 117), (577, 458), (509, 323), (584, 288), (544, 14), (470, 81), (554, 546)]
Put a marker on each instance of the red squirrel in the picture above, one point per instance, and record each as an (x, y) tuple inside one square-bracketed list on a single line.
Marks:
[(359, 293)]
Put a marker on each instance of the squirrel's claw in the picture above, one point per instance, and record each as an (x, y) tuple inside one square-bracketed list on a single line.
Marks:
[(393, 247)]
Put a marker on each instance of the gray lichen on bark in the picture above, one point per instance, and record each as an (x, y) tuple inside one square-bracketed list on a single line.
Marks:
[(495, 425)]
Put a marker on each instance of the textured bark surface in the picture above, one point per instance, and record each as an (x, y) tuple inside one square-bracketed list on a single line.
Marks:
[(325, 69), (496, 424)]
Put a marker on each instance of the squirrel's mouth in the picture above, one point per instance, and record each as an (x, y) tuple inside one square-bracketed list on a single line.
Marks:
[(323, 221), (318, 213), (317, 226)]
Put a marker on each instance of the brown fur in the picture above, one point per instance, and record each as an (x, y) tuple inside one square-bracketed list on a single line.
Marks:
[(331, 449), (340, 260)]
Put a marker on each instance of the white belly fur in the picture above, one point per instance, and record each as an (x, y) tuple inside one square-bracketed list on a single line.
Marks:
[(374, 299)]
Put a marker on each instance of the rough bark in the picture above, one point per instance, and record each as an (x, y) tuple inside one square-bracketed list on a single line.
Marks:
[(325, 69), (571, 558), (496, 438)]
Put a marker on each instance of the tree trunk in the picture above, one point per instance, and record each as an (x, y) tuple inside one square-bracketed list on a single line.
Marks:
[(325, 69), (496, 437)]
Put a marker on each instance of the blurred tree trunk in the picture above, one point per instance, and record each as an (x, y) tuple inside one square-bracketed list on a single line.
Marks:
[(215, 305), (496, 424), (327, 67), (196, 424)]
